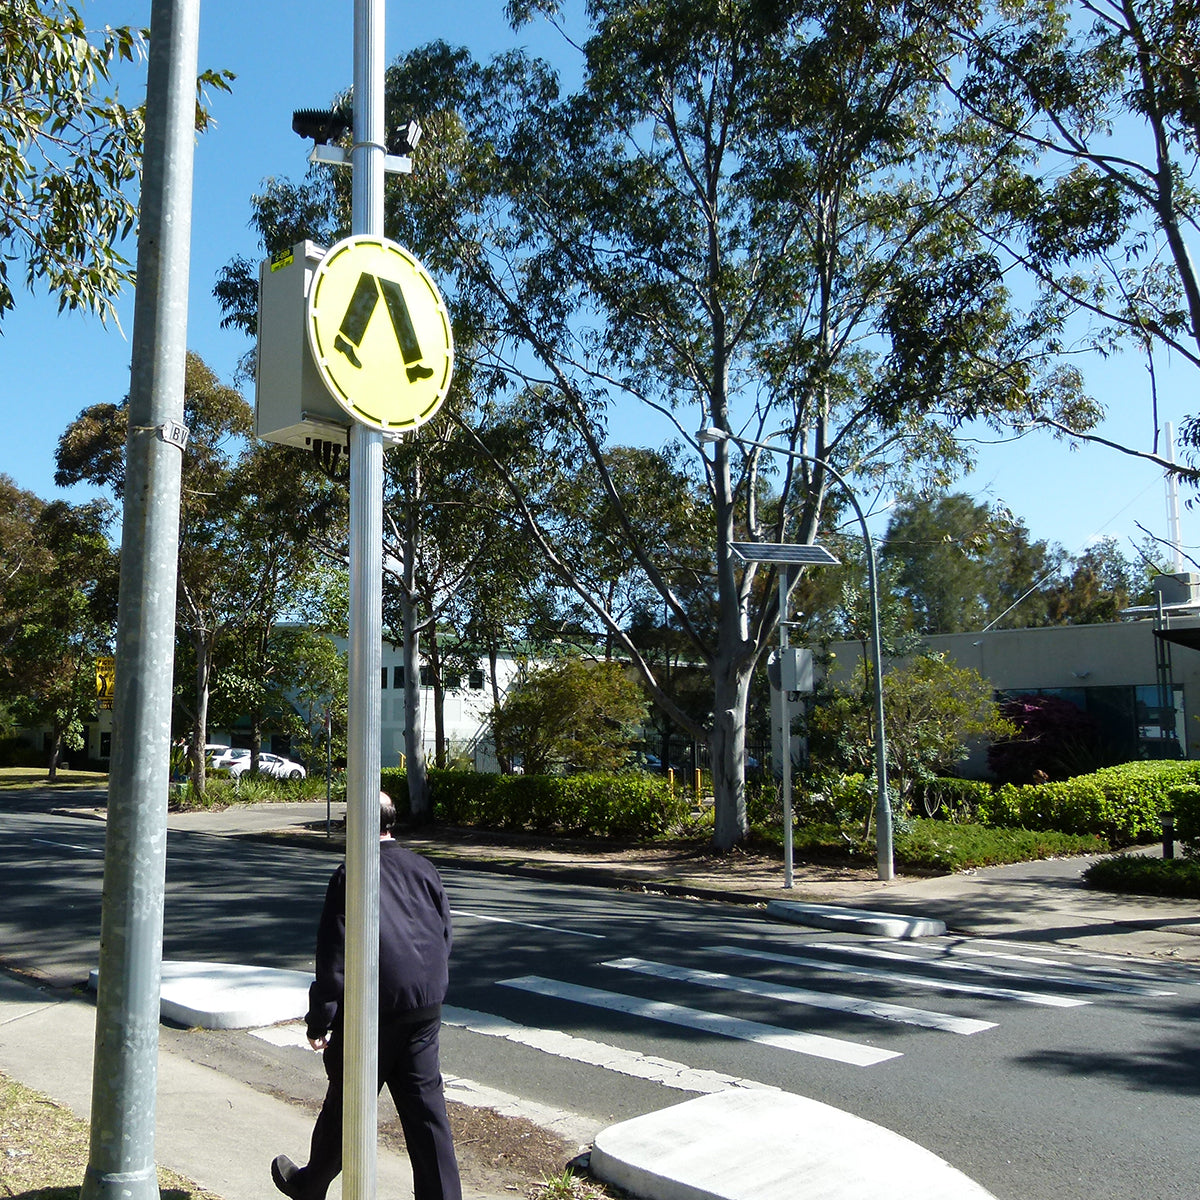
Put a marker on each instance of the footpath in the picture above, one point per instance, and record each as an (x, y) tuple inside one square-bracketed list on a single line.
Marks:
[(221, 1132)]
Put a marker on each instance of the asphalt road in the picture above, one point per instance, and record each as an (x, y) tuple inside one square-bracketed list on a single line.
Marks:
[(1069, 1077)]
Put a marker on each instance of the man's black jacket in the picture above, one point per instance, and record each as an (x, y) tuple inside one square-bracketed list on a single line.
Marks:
[(414, 942)]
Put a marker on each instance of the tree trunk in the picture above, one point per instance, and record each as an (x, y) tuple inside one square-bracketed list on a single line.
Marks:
[(200, 723), (502, 759), (439, 701), (414, 733), (728, 748), (55, 754)]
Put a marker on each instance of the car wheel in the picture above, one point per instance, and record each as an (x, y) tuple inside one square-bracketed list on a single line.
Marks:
[(295, 774)]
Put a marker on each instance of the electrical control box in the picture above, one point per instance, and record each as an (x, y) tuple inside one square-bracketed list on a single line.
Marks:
[(791, 670), (292, 405)]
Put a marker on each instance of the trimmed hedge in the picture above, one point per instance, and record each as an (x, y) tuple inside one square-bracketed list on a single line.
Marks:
[(1124, 804), (630, 805), (1185, 807), (1146, 876)]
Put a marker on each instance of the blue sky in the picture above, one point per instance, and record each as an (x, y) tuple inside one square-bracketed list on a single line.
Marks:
[(299, 55)]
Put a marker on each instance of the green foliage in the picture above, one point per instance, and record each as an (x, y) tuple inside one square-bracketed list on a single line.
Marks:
[(629, 805), (1123, 804), (70, 152), (1146, 876), (941, 846), (1184, 803), (569, 715), (954, 799), (931, 709)]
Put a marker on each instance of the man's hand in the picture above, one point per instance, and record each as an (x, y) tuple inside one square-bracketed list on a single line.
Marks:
[(319, 1043)]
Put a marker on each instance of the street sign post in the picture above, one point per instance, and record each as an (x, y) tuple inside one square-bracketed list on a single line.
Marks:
[(782, 555)]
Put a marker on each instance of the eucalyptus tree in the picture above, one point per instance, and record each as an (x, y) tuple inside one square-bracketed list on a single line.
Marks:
[(70, 152), (750, 216), (1101, 97), (59, 611), (747, 217), (246, 524)]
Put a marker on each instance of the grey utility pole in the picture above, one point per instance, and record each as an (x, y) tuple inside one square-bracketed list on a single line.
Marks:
[(366, 633), (121, 1162)]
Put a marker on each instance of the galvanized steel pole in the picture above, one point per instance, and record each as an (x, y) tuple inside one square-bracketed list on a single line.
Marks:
[(785, 732), (121, 1162), (361, 1003)]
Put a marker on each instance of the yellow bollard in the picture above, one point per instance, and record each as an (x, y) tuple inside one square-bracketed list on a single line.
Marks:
[(697, 785), (403, 760), (671, 779)]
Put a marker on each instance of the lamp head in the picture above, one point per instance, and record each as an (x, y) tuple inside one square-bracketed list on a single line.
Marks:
[(709, 434), (404, 138), (322, 125)]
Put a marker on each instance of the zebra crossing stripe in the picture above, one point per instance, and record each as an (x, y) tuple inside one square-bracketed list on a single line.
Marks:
[(851, 1053), (1049, 999), (924, 959), (958, 949), (794, 995), (633, 1063)]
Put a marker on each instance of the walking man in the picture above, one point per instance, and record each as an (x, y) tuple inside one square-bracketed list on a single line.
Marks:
[(414, 949)]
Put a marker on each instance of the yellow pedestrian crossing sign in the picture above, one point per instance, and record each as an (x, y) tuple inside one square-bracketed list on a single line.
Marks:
[(380, 333), (106, 681)]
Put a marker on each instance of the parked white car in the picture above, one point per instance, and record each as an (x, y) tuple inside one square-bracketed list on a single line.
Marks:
[(227, 758), (278, 766)]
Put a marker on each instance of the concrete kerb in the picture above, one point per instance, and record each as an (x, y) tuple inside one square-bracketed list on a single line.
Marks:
[(856, 920), (815, 1151)]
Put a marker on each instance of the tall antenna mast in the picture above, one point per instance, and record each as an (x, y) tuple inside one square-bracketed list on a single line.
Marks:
[(1174, 535)]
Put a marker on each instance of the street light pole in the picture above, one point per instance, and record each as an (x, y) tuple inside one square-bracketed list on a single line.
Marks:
[(883, 808)]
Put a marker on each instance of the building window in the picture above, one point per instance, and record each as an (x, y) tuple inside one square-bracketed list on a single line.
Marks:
[(475, 680), (398, 677), (106, 745), (427, 677), (383, 678), (453, 681)]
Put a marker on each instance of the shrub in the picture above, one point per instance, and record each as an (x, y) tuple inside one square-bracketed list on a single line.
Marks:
[(955, 799), (628, 805), (1146, 876), (1185, 807), (1055, 737), (1123, 803)]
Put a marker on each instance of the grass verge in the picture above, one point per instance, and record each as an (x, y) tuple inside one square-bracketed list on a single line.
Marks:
[(44, 1150), (1134, 873), (941, 846), (36, 777)]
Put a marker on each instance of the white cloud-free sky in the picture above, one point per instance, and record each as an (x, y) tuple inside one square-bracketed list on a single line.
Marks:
[(290, 54)]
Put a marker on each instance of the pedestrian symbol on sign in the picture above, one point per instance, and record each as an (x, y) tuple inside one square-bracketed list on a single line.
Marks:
[(388, 364)]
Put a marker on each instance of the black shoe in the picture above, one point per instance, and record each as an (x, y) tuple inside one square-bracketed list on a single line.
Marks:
[(284, 1172)]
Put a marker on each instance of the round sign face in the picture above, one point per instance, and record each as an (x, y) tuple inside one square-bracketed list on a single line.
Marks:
[(380, 333)]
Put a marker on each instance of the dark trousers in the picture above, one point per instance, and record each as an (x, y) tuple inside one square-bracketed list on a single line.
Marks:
[(408, 1064)]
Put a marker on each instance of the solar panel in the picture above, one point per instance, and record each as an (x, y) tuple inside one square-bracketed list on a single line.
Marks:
[(782, 552)]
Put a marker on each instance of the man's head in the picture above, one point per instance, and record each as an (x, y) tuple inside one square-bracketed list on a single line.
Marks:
[(387, 813)]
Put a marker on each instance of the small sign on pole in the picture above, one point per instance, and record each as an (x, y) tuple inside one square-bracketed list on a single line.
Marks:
[(106, 681)]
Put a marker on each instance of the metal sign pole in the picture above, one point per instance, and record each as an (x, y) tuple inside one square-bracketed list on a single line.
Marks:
[(366, 630), (785, 739), (121, 1162)]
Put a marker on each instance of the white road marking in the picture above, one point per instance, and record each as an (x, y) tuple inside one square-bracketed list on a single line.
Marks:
[(1035, 961), (569, 1125), (632, 1063), (944, 985), (929, 956), (462, 912), (292, 1034), (68, 846), (794, 995), (852, 1053)]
